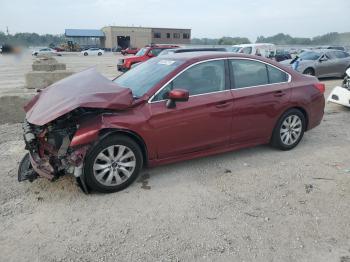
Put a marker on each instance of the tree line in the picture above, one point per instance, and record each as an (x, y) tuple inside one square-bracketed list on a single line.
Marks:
[(30, 39), (334, 38)]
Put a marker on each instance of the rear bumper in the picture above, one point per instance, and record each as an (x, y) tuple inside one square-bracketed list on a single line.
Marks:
[(340, 96), (316, 112)]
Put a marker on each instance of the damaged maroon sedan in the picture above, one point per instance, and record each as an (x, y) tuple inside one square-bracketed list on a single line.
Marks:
[(168, 109)]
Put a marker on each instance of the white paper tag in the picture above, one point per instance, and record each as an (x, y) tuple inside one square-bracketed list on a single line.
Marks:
[(166, 62)]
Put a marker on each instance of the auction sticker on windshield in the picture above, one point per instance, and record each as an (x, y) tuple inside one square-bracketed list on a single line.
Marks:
[(166, 62)]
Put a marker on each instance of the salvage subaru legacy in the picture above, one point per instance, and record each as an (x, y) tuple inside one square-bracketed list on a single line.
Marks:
[(168, 109)]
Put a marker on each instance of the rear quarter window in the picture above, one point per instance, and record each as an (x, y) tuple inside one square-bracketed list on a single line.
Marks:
[(276, 75)]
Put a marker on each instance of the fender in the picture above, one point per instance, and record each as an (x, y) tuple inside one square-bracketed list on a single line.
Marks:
[(89, 130)]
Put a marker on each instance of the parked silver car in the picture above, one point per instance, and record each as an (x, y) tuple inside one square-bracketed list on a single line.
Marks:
[(321, 62)]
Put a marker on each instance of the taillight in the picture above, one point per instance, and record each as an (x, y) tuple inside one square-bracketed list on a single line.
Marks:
[(321, 87)]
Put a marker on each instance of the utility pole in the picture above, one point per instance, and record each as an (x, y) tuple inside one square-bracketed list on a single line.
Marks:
[(7, 30)]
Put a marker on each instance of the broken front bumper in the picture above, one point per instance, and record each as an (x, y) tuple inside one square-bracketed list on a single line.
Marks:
[(340, 95)]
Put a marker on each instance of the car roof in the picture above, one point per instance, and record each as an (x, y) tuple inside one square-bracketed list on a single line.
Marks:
[(162, 46), (322, 50), (197, 49), (258, 44), (207, 55)]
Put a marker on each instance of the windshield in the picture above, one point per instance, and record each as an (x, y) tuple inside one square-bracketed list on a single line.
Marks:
[(309, 55), (141, 52), (234, 49), (142, 78)]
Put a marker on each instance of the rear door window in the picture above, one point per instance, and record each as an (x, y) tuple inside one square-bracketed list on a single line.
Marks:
[(247, 73), (340, 54)]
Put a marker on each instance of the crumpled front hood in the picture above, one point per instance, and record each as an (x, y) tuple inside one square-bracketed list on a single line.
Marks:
[(85, 89)]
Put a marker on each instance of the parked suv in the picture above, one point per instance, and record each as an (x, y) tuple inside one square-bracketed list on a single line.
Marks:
[(144, 54), (130, 51)]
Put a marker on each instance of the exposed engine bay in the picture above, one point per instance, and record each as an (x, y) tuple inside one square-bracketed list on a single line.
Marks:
[(50, 154)]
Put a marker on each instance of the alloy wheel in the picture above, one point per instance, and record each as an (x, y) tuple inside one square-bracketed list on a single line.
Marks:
[(114, 165), (291, 130)]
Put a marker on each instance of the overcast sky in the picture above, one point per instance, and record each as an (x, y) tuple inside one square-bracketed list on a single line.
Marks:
[(206, 18)]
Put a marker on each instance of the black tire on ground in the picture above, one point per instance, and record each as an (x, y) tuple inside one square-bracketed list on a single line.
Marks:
[(93, 153), (85, 54), (276, 140), (99, 54), (309, 71)]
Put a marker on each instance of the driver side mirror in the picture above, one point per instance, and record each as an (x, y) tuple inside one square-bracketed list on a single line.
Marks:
[(150, 54), (177, 95), (323, 58)]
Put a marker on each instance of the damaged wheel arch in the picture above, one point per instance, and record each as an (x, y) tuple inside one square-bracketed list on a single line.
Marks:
[(103, 133)]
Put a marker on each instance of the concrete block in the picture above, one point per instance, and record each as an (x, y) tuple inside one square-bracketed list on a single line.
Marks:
[(11, 108), (47, 64), (42, 79), (48, 67)]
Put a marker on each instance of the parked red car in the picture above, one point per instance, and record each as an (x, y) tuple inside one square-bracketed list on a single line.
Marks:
[(142, 55), (167, 109), (130, 51)]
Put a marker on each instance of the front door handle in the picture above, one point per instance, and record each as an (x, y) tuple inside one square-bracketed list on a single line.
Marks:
[(279, 93)]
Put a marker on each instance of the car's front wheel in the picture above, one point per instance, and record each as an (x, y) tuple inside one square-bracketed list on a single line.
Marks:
[(99, 54), (309, 71), (113, 164), (289, 130), (85, 54)]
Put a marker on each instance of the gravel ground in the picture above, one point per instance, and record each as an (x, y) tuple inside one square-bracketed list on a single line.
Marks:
[(256, 204)]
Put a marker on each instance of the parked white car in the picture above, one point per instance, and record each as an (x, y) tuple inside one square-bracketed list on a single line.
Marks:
[(93, 51), (44, 51), (261, 49), (341, 94)]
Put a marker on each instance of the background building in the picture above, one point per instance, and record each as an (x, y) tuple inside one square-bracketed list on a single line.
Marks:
[(85, 37), (113, 36), (141, 36)]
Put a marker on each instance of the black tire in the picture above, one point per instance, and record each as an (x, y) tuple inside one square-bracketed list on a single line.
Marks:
[(85, 54), (309, 71), (276, 140), (101, 146), (99, 54)]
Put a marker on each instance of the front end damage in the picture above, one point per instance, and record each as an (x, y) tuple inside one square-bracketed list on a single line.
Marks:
[(54, 130), (51, 154), (341, 94)]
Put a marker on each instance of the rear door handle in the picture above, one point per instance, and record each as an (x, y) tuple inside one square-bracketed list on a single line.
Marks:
[(279, 93), (222, 104)]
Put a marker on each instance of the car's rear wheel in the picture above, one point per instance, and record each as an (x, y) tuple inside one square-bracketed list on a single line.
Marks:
[(85, 54), (113, 164), (99, 54), (309, 71), (289, 130)]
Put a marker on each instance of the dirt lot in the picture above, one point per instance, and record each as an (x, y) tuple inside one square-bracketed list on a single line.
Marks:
[(257, 204)]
